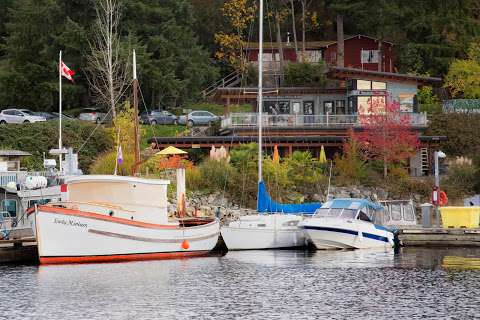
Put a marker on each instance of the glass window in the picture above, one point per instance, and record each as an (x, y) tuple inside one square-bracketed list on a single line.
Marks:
[(308, 107), (326, 212), (364, 85), (349, 214), (340, 107), (369, 56), (406, 103), (276, 107), (408, 213), (363, 216), (379, 85), (9, 205), (328, 107), (396, 211)]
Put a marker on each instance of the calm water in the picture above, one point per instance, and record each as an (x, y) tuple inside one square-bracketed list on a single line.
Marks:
[(414, 284)]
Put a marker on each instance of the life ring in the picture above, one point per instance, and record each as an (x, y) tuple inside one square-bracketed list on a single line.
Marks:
[(442, 198)]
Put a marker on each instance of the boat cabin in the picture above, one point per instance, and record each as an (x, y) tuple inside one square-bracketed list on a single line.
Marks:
[(138, 199), (346, 208)]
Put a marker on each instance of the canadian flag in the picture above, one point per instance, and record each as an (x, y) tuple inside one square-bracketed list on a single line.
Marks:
[(66, 72)]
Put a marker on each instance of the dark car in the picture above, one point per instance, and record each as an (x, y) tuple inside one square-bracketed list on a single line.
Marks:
[(158, 117)]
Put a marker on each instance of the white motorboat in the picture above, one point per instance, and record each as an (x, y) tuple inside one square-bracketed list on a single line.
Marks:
[(276, 225), (347, 224), (114, 218)]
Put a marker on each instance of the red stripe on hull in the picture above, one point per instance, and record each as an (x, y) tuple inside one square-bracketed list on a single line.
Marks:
[(122, 257)]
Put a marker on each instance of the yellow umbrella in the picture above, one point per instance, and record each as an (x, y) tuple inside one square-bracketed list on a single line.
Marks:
[(276, 155), (323, 157), (171, 151)]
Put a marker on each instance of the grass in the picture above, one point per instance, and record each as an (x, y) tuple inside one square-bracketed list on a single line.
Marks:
[(159, 131)]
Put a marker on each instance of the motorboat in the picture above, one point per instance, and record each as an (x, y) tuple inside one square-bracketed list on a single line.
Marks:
[(347, 223), (108, 218)]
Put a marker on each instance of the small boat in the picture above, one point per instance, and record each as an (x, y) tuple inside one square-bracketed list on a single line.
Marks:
[(347, 223), (104, 218)]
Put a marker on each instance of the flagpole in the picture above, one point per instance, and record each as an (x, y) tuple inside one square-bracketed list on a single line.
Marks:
[(60, 108)]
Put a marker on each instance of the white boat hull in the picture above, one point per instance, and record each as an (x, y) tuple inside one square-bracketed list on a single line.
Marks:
[(72, 236), (264, 232), (327, 233)]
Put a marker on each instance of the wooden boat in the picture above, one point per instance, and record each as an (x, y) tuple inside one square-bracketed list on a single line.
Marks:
[(114, 218)]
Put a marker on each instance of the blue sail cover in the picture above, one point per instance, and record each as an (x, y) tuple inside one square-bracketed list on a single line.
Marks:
[(265, 204)]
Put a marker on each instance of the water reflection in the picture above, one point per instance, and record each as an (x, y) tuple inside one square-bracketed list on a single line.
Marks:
[(282, 284)]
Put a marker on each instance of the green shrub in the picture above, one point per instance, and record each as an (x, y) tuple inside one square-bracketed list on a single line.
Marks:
[(459, 182), (305, 75), (40, 137)]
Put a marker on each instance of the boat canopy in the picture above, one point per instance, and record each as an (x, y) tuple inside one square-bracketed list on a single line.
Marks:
[(351, 203), (265, 204)]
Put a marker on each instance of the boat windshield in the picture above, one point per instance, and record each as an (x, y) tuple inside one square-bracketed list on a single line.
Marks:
[(336, 213)]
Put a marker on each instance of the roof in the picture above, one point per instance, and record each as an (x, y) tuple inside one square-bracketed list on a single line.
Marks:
[(171, 150), (309, 45), (351, 203), (114, 179), (352, 73), (14, 153)]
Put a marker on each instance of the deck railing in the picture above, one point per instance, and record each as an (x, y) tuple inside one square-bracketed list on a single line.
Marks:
[(244, 120), (17, 176)]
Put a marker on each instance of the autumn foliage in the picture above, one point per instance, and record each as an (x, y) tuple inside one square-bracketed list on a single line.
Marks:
[(386, 134)]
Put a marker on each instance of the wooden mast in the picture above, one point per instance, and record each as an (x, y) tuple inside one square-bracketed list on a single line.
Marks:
[(135, 110)]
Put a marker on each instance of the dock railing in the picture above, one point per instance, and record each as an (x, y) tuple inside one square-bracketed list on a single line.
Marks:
[(245, 120)]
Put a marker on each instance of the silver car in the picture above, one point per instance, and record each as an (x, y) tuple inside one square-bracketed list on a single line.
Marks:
[(199, 117), (95, 115), (19, 116)]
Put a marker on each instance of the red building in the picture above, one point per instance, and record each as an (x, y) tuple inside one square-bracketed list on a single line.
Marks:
[(361, 52)]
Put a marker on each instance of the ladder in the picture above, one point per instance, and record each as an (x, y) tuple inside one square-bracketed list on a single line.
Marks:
[(424, 160)]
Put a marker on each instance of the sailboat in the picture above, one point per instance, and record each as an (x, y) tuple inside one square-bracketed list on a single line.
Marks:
[(110, 218), (276, 224)]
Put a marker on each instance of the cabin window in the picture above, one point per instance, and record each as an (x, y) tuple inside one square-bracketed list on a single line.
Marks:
[(363, 216), (9, 205), (290, 223), (327, 212), (261, 225), (349, 214), (396, 211), (408, 213), (31, 203)]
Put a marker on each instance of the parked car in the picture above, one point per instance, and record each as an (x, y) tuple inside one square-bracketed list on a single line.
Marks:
[(19, 116), (158, 117), (199, 117), (95, 115), (53, 115)]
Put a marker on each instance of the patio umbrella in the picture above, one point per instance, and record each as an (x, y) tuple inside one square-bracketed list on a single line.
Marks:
[(276, 155), (323, 158), (171, 151)]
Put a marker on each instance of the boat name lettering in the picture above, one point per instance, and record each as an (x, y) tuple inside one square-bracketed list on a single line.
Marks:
[(71, 223)]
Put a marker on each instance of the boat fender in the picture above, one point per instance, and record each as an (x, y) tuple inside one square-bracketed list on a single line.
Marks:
[(185, 244)]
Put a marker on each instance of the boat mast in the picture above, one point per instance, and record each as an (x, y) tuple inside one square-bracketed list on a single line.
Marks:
[(260, 91), (135, 110)]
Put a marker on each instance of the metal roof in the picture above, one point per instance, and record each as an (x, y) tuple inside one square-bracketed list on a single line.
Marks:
[(14, 153)]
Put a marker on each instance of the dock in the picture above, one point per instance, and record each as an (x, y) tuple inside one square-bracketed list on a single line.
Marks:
[(439, 237), (22, 250)]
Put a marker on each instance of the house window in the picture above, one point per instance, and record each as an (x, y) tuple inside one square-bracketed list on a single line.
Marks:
[(328, 107), (369, 56), (406, 102), (333, 56), (308, 107), (364, 85), (371, 105), (276, 107), (340, 107), (379, 85)]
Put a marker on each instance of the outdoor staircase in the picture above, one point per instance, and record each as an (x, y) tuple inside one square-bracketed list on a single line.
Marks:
[(425, 162), (230, 80)]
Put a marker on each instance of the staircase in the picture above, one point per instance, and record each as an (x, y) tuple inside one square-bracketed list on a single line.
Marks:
[(230, 80), (425, 162)]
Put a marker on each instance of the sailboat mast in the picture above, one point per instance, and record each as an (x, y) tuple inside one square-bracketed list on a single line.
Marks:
[(135, 110), (260, 90)]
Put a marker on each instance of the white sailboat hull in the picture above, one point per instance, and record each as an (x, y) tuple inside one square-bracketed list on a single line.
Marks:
[(329, 233), (264, 232), (72, 236)]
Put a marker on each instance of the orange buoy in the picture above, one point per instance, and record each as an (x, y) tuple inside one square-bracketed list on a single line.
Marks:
[(185, 244)]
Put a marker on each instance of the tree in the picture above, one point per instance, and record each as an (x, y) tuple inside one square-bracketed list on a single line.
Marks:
[(350, 166), (463, 78), (305, 74), (240, 14), (386, 134), (108, 66)]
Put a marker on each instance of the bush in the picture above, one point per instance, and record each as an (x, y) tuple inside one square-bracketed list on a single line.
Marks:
[(305, 75), (40, 137), (459, 182)]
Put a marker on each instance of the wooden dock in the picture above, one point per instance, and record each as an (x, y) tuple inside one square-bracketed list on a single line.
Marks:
[(440, 237), (22, 250)]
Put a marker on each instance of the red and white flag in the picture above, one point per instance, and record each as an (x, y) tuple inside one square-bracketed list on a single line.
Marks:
[(66, 72)]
